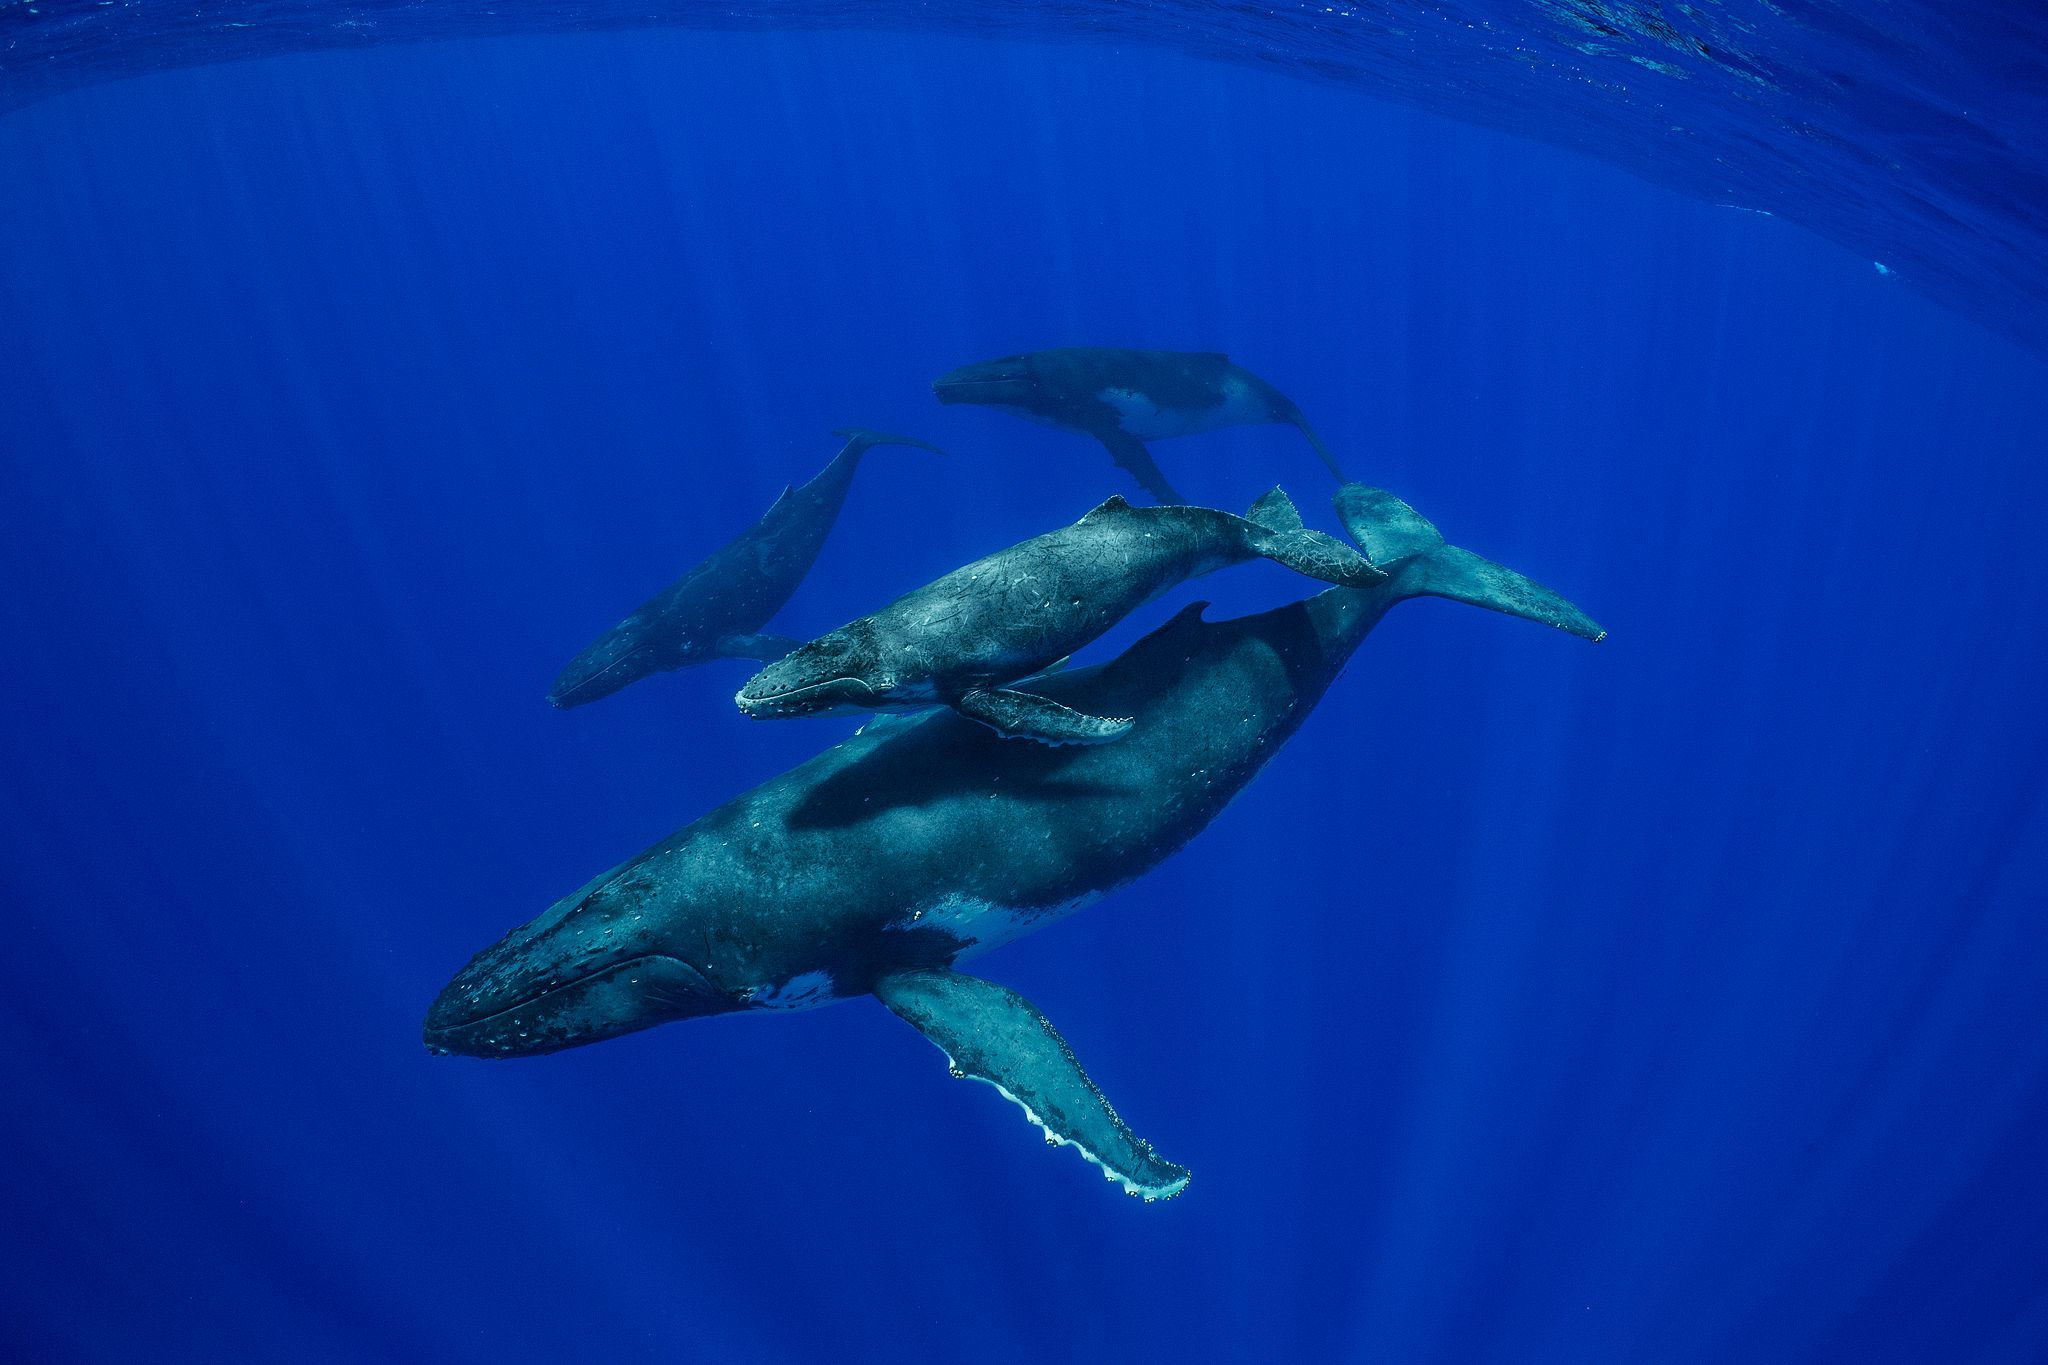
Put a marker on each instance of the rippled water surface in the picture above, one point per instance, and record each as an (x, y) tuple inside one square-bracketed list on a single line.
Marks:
[(1909, 132)]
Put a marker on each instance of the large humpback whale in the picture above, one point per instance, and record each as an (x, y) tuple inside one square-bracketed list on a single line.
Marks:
[(1011, 614), (716, 610), (1124, 398), (888, 860)]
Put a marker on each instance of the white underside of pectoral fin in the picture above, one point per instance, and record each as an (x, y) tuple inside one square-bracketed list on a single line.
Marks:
[(1134, 1188), (994, 1035)]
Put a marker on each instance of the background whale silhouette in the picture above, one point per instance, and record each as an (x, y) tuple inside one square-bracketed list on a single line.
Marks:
[(716, 610), (1124, 398)]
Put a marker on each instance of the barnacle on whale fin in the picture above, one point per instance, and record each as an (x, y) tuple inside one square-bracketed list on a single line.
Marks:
[(1135, 1188)]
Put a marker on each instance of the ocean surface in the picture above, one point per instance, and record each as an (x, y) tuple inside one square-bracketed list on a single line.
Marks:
[(1678, 998)]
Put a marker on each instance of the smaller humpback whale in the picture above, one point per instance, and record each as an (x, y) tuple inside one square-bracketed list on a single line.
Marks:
[(1124, 398), (1013, 614), (716, 610), (889, 862)]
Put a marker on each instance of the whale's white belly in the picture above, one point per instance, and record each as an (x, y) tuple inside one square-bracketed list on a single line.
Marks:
[(1149, 421), (983, 924), (806, 990), (978, 924)]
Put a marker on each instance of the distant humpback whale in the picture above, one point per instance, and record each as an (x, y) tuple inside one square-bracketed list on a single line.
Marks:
[(716, 610), (883, 863), (1124, 398), (958, 639)]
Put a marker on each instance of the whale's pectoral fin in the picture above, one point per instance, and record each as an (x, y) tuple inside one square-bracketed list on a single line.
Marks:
[(1290, 413), (766, 648), (995, 1035), (1128, 451), (1024, 715)]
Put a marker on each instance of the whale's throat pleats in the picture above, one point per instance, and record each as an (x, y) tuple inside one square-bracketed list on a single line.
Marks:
[(993, 1034)]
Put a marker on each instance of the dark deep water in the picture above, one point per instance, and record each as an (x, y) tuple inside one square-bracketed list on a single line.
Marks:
[(1675, 999)]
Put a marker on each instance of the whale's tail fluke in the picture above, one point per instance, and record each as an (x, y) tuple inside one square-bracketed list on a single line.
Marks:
[(860, 440), (837, 476), (1401, 542), (1277, 534)]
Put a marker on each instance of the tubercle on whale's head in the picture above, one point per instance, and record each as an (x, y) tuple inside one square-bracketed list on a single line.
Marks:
[(597, 965), (836, 672), (1009, 382)]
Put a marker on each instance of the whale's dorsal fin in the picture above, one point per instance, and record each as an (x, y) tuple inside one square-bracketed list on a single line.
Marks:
[(1188, 617), (1115, 502), (994, 1035)]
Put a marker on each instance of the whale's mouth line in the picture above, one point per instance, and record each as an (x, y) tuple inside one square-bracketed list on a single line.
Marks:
[(585, 684), (532, 1001), (946, 386), (749, 703)]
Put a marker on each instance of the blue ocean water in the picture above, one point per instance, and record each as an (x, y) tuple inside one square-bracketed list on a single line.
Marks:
[(1672, 999)]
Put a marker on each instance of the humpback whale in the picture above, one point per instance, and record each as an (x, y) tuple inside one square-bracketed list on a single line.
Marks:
[(716, 610), (1124, 398), (884, 863), (1014, 613)]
